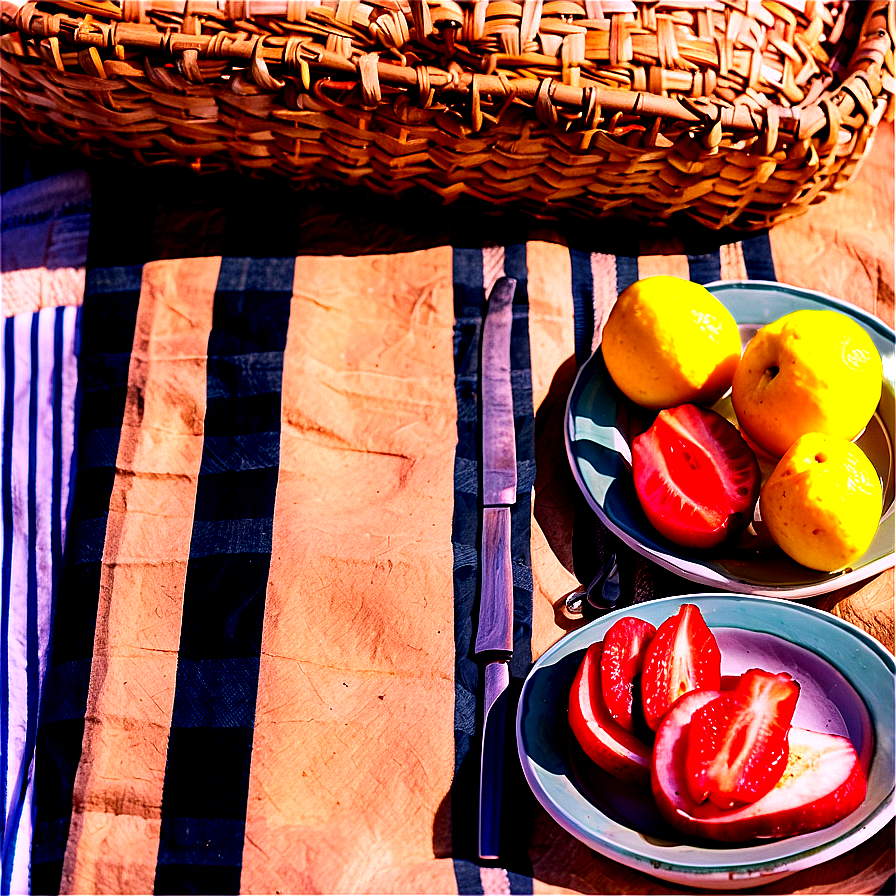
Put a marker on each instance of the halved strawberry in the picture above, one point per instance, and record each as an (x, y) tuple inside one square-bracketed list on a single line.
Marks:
[(682, 656), (605, 742), (696, 478), (623, 656), (822, 784), (737, 747)]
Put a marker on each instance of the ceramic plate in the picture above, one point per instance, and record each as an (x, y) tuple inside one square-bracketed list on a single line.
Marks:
[(600, 423), (846, 687)]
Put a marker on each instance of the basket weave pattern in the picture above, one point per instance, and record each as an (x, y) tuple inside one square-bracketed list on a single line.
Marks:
[(738, 113)]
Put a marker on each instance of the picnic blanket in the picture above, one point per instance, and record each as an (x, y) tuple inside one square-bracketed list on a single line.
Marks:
[(260, 677), (44, 248)]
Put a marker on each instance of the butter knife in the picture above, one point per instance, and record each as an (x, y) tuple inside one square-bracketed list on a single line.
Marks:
[(494, 634)]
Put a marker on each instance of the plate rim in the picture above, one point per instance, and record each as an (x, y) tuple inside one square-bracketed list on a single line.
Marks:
[(855, 310), (694, 569), (746, 870)]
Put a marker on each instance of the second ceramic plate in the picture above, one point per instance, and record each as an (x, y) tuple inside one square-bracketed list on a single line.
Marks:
[(846, 687)]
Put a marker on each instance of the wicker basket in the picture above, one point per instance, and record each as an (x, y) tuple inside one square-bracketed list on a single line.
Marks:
[(737, 113)]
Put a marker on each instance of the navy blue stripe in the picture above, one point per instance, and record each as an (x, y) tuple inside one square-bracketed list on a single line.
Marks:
[(705, 268), (466, 874), (254, 373), (106, 330), (582, 285), (213, 880), (108, 370), (215, 537), (626, 272), (203, 822), (211, 768), (583, 304), (101, 413), (515, 265), (68, 683), (584, 520), (469, 296), (217, 500), (209, 708), (758, 258), (99, 447), (518, 804), (111, 280), (189, 831), (29, 219), (469, 299), (254, 451), (9, 359), (88, 537), (520, 884)]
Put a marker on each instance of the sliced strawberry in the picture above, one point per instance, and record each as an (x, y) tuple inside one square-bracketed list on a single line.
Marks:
[(604, 741), (737, 748), (696, 478), (822, 784), (682, 656), (623, 656)]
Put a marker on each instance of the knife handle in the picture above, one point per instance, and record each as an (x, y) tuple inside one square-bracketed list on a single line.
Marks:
[(495, 630), (491, 768)]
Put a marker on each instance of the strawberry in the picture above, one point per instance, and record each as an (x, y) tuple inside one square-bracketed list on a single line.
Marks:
[(623, 655), (604, 740), (823, 782), (681, 657), (737, 746), (696, 478)]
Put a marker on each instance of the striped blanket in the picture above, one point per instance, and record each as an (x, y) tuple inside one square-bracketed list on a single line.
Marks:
[(260, 677), (44, 245)]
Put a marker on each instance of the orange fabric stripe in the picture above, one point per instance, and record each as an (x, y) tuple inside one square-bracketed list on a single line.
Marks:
[(114, 834), (732, 261), (664, 265), (552, 339), (353, 751)]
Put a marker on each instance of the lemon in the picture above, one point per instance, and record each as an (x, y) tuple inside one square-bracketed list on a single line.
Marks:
[(668, 341), (822, 503), (813, 370)]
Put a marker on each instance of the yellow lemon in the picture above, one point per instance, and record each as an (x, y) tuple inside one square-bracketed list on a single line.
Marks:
[(668, 341), (813, 370), (822, 503)]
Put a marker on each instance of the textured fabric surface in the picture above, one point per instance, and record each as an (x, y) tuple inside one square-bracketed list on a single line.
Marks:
[(44, 230), (261, 678)]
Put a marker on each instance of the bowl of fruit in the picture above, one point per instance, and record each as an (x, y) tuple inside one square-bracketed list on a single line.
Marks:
[(713, 741), (741, 435)]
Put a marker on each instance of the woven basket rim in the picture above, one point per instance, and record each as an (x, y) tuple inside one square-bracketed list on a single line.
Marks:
[(197, 75), (262, 53)]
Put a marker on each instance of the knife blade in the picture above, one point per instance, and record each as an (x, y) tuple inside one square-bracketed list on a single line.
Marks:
[(494, 634)]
